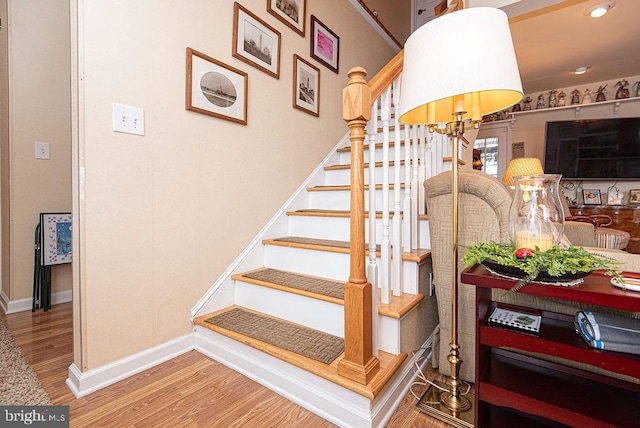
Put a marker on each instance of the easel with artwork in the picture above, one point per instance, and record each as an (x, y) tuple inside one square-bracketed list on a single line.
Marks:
[(52, 246)]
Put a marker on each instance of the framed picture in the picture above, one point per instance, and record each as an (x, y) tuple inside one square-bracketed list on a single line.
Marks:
[(55, 238), (291, 12), (255, 42), (216, 89), (306, 86), (591, 196), (634, 196), (325, 45), (614, 196)]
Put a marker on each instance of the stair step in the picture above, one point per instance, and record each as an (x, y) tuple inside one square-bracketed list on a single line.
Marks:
[(388, 363), (366, 165), (322, 289), (366, 146), (347, 187), (336, 246), (305, 285), (340, 213)]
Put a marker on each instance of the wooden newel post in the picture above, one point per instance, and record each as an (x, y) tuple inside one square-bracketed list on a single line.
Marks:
[(359, 363)]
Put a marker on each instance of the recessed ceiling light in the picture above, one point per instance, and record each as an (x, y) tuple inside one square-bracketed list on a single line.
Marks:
[(581, 70), (599, 9)]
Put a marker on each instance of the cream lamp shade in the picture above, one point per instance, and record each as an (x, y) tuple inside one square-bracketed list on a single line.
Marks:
[(461, 61), (521, 166)]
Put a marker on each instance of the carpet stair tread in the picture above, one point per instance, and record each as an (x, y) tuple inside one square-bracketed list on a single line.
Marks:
[(338, 246), (323, 289), (306, 285), (347, 187), (260, 331), (341, 213)]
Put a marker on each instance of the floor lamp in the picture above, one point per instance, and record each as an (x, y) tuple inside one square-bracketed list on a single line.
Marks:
[(458, 68)]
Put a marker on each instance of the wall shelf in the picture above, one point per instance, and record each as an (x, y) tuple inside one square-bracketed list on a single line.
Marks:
[(578, 107)]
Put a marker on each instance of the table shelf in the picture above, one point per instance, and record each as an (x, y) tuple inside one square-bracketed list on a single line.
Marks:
[(512, 385)]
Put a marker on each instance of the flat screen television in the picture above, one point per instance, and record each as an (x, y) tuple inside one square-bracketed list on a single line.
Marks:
[(596, 149)]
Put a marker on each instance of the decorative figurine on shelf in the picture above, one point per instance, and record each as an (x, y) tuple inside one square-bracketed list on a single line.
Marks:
[(527, 103), (553, 99), (586, 97), (622, 90), (540, 104), (600, 93), (575, 97), (516, 107), (562, 99), (636, 89)]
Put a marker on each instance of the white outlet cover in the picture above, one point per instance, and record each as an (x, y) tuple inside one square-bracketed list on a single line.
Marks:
[(128, 119), (42, 150)]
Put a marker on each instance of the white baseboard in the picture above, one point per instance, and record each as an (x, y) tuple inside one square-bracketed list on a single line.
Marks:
[(20, 305), (320, 396), (84, 383)]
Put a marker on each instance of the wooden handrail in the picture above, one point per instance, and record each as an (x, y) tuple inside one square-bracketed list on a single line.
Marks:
[(386, 75)]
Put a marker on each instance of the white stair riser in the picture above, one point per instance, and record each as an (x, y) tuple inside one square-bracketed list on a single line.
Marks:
[(313, 313), (310, 262), (345, 157), (341, 199), (340, 177), (338, 228)]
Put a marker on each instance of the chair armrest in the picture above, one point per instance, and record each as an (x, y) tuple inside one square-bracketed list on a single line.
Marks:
[(598, 220)]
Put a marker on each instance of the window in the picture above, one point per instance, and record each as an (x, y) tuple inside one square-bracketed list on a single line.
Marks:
[(488, 154)]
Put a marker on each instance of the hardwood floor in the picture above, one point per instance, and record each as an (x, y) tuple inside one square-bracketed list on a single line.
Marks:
[(191, 390)]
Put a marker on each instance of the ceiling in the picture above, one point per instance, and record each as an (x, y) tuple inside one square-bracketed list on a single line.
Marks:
[(553, 37)]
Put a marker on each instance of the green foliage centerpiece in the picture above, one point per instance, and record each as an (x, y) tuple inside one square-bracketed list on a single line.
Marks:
[(556, 261)]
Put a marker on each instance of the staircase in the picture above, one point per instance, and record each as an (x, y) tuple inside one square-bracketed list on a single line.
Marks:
[(308, 244)]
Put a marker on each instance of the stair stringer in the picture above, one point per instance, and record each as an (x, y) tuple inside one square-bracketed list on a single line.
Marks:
[(252, 256), (328, 400)]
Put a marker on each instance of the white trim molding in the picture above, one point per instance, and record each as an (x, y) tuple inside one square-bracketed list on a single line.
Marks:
[(21, 305), (85, 383)]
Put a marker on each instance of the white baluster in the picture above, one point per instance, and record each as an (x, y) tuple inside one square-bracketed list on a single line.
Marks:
[(422, 173), (396, 279), (385, 245), (419, 133), (406, 206)]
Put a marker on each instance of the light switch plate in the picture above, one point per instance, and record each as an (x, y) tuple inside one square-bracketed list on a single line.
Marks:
[(42, 150), (128, 119)]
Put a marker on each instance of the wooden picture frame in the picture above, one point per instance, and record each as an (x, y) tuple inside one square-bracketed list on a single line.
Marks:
[(634, 196), (293, 13), (325, 45), (215, 89), (55, 238), (306, 86), (255, 42), (592, 196)]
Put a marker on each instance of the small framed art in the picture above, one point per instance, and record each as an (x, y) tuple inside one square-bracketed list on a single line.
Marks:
[(291, 12), (215, 88), (592, 196), (634, 196), (306, 86), (255, 42), (55, 238), (325, 45)]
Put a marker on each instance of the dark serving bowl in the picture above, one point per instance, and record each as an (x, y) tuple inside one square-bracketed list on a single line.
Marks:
[(542, 276)]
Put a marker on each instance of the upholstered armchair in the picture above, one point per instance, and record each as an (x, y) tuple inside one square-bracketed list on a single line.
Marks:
[(483, 215)]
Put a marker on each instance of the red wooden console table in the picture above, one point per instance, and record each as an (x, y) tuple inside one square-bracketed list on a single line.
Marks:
[(517, 390)]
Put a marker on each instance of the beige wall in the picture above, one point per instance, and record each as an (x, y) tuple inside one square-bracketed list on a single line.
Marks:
[(394, 15), (38, 103), (530, 127), (162, 215)]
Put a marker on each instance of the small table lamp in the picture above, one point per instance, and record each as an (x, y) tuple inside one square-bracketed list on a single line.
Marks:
[(521, 166), (459, 66)]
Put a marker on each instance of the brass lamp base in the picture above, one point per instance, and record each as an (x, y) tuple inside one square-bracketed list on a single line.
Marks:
[(432, 401)]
